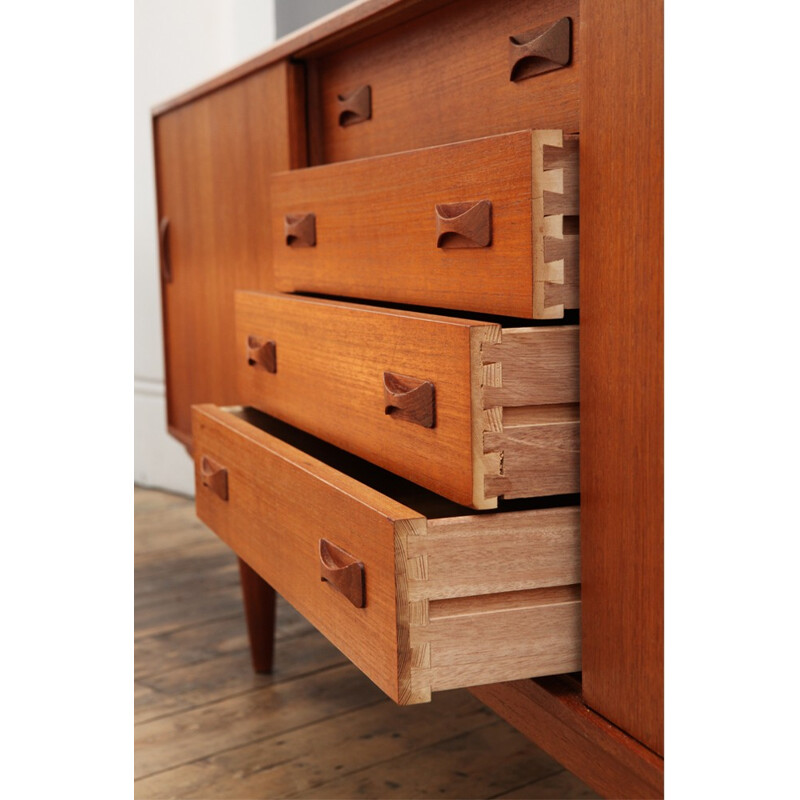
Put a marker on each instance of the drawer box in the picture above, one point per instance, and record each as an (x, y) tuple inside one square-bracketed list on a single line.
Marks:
[(454, 73), (488, 225), (448, 598), (466, 408)]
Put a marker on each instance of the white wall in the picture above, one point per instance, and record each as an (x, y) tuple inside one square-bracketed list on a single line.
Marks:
[(177, 44)]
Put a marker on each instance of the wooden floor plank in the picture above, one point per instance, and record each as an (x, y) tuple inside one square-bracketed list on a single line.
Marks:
[(476, 764), (563, 785), (187, 608), (149, 704), (201, 732), (200, 642), (208, 727), (191, 569), (302, 759), (227, 675), (169, 529)]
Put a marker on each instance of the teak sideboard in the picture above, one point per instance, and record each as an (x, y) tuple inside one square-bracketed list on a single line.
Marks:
[(412, 290)]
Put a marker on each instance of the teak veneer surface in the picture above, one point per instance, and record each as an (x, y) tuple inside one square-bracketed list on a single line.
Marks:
[(210, 155), (622, 365), (442, 77), (440, 609), (376, 229), (332, 357)]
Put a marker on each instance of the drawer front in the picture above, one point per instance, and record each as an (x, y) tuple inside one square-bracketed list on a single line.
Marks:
[(488, 225), (423, 396), (449, 75), (447, 601), (279, 504)]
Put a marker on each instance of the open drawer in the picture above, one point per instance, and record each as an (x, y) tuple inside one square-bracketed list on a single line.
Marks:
[(469, 409), (420, 594), (488, 225)]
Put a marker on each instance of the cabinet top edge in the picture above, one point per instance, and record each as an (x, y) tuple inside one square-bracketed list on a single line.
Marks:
[(357, 20)]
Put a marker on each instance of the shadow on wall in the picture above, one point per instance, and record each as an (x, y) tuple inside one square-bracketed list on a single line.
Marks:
[(293, 14)]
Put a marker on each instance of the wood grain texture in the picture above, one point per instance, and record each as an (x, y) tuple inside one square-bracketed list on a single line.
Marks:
[(409, 634), (551, 713), (281, 503), (209, 156), (331, 382), (525, 634), (468, 226), (622, 380), (542, 455), (486, 554), (539, 366), (455, 632), (454, 87)]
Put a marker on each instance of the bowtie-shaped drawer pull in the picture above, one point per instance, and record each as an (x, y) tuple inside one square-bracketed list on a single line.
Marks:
[(214, 477), (409, 399), (343, 572), (300, 230), (463, 225), (355, 106), (541, 50), (262, 353)]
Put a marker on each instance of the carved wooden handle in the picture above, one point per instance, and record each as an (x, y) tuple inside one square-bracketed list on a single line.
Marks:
[(355, 106), (214, 477), (166, 264), (540, 50), (343, 571), (461, 225), (262, 353), (300, 230), (410, 399)]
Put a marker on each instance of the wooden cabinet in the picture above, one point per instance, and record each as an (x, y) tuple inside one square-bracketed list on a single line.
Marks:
[(408, 168)]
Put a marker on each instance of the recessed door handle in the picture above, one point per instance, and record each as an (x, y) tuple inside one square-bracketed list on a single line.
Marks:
[(163, 237)]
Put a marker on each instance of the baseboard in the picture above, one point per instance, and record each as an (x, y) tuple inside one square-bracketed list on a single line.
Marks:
[(160, 462)]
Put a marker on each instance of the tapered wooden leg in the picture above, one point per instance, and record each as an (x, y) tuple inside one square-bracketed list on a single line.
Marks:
[(259, 610)]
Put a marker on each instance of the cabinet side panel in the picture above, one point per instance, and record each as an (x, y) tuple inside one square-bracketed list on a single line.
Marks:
[(213, 161), (621, 362)]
